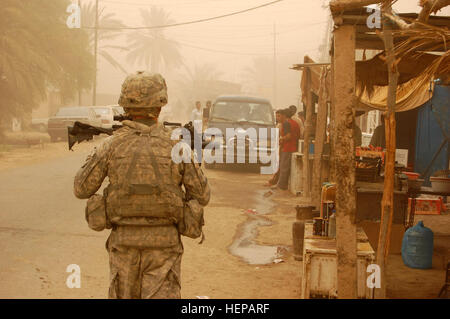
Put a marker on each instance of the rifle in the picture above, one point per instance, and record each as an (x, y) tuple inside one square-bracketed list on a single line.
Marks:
[(80, 132)]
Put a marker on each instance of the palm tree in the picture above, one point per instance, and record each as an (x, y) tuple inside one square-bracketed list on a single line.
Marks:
[(201, 83), (151, 47), (38, 52)]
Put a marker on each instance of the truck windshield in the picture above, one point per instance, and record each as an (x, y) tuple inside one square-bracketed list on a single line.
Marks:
[(237, 111), (73, 111)]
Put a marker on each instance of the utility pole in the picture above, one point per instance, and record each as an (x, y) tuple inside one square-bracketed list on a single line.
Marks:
[(274, 66), (94, 90), (79, 59)]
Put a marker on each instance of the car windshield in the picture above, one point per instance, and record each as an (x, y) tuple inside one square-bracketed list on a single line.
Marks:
[(237, 111), (102, 110), (73, 111)]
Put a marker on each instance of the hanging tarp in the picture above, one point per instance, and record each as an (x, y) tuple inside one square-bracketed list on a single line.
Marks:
[(414, 90), (432, 134), (410, 95), (373, 72)]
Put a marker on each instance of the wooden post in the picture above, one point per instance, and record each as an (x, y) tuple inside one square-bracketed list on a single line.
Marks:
[(306, 178), (332, 130), (387, 202), (343, 99), (321, 126)]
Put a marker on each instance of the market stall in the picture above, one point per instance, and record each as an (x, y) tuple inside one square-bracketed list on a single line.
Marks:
[(364, 85)]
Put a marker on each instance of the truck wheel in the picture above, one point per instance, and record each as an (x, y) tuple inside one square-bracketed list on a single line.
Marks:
[(209, 165)]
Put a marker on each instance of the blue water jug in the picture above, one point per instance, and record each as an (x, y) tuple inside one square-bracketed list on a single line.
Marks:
[(417, 247)]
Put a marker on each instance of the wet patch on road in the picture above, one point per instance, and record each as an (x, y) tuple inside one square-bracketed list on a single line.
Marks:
[(244, 245)]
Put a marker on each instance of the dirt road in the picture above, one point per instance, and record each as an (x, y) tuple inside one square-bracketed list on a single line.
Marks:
[(42, 231)]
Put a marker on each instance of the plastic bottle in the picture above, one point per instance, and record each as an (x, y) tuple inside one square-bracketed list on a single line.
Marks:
[(417, 247)]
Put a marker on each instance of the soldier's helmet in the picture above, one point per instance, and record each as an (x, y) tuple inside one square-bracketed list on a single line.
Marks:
[(143, 90)]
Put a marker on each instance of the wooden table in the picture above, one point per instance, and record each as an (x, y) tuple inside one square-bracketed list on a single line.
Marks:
[(368, 203)]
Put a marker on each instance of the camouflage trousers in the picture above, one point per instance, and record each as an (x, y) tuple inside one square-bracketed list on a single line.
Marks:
[(144, 273)]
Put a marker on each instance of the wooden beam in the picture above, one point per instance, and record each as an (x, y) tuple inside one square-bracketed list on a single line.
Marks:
[(337, 6), (360, 19), (320, 138), (306, 177), (387, 202), (343, 99), (300, 66), (332, 129)]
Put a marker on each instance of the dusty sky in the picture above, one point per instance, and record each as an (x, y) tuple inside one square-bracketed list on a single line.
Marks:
[(231, 43)]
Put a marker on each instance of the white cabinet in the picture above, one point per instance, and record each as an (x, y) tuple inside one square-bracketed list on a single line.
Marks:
[(319, 278)]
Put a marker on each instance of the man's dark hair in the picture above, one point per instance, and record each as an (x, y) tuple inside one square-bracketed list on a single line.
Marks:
[(285, 112), (293, 108), (290, 111)]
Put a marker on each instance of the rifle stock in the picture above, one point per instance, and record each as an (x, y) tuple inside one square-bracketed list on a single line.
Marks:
[(80, 132)]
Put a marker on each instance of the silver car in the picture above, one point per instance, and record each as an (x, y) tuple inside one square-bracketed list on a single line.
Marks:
[(66, 116)]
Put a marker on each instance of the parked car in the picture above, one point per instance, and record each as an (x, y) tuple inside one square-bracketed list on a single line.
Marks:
[(242, 113), (66, 116), (106, 114), (39, 124)]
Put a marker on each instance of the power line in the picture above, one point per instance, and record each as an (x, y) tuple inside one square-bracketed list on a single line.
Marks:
[(234, 36), (189, 22)]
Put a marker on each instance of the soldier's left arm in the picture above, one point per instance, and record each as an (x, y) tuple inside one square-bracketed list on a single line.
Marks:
[(90, 176)]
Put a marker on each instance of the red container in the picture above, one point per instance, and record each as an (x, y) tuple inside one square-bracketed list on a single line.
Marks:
[(412, 175), (426, 206)]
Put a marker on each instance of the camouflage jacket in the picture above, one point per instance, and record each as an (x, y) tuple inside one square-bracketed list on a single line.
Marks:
[(145, 185)]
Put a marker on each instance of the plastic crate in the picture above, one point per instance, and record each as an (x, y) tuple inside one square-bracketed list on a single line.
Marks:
[(425, 206), (370, 173)]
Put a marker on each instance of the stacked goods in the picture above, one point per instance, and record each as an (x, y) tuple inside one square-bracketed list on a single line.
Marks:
[(440, 181), (370, 152)]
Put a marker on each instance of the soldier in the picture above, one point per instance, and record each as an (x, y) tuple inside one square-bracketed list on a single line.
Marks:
[(144, 201)]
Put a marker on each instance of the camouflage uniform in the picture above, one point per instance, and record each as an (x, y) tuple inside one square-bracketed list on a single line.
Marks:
[(144, 201)]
